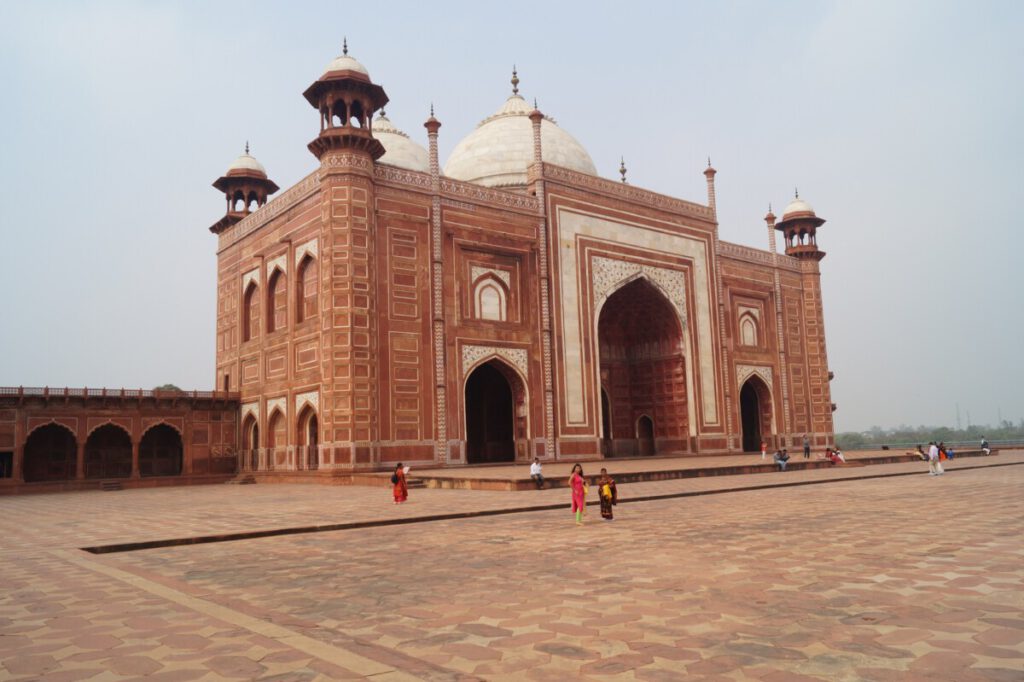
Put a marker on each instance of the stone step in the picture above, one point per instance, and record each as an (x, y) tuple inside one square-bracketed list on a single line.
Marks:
[(111, 485), (244, 479), (415, 483)]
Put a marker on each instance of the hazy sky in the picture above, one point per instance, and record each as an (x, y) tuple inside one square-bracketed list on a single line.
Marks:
[(900, 122)]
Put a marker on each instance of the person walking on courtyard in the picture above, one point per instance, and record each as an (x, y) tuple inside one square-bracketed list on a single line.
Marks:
[(934, 465), (764, 449), (536, 475), (609, 496), (807, 447), (579, 492), (398, 485)]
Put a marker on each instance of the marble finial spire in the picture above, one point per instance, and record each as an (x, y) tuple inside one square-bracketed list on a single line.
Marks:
[(622, 168), (431, 108), (515, 81), (796, 193), (247, 147), (344, 45)]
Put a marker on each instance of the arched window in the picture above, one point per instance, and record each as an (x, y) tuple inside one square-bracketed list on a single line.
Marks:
[(277, 301), (250, 313), (308, 289), (748, 330), (160, 452), (489, 300)]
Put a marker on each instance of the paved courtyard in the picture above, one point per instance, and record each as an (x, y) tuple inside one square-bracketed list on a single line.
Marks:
[(896, 578)]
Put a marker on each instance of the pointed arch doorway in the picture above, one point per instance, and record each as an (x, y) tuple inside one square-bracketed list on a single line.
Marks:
[(496, 416), (755, 413)]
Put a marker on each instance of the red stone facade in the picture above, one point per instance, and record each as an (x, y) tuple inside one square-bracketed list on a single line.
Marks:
[(68, 439), (372, 314)]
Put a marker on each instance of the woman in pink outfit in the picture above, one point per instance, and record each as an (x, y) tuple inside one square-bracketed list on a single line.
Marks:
[(579, 492)]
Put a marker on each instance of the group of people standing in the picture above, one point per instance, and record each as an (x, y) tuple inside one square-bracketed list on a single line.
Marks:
[(606, 493)]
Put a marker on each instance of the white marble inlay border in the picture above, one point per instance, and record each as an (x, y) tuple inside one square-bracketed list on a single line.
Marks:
[(251, 408), (277, 262), (252, 275), (744, 372), (572, 224), (471, 355), (311, 247), (609, 275), (476, 271), (277, 403), (311, 398)]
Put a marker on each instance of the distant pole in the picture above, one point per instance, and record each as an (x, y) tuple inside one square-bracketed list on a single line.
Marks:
[(958, 416), (999, 424), (968, 419)]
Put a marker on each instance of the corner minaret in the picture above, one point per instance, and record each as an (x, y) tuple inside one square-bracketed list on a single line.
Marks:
[(246, 187), (346, 99), (798, 226)]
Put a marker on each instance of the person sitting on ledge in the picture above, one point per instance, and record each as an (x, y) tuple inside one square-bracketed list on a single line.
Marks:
[(984, 446), (781, 458), (535, 473)]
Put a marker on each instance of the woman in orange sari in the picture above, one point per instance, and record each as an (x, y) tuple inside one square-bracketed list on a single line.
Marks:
[(399, 488)]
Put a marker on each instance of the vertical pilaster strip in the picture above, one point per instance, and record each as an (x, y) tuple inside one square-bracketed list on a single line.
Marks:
[(536, 117), (441, 450), (783, 364), (709, 175)]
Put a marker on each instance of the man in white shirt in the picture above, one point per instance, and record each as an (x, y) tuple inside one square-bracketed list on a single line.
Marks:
[(536, 475), (934, 466)]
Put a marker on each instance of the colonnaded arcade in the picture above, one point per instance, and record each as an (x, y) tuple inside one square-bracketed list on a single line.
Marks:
[(510, 305)]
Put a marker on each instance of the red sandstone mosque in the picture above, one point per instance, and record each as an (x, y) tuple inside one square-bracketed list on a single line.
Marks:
[(507, 305)]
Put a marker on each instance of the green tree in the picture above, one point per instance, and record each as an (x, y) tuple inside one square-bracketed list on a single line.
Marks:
[(167, 387)]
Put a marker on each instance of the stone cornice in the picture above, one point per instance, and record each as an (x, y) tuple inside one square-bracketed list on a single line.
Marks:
[(626, 192), (758, 256), (472, 193)]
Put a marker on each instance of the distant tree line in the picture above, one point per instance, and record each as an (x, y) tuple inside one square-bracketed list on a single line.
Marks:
[(904, 435)]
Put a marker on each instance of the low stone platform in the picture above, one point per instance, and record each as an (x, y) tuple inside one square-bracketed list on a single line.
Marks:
[(636, 470)]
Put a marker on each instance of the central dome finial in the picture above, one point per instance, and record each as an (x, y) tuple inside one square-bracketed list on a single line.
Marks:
[(515, 81), (344, 45)]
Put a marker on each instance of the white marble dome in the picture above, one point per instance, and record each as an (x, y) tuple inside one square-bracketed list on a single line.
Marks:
[(797, 206), (500, 150), (399, 150), (346, 63), (246, 163)]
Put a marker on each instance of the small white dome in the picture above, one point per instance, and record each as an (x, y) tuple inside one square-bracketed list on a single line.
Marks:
[(399, 150), (245, 162), (500, 150), (798, 205), (346, 63)]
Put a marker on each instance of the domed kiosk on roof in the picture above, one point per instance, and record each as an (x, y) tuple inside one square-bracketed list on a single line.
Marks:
[(399, 150), (246, 164), (500, 150)]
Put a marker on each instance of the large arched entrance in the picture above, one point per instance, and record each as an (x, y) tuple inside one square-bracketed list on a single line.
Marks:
[(108, 453), (50, 454), (160, 452), (755, 413), (496, 421), (643, 367)]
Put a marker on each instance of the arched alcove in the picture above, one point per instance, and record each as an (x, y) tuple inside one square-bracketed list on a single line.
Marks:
[(496, 414), (755, 413), (643, 365), (161, 452), (108, 453), (50, 453)]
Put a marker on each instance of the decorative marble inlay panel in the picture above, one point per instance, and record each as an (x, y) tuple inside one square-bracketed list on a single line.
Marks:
[(277, 403), (516, 356), (311, 398), (476, 271), (608, 275), (468, 190), (311, 247), (276, 262), (251, 408), (401, 176), (571, 227), (744, 372), (251, 276), (624, 191), (747, 310)]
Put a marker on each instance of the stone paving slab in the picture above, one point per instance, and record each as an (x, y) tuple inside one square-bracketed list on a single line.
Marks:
[(909, 577)]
